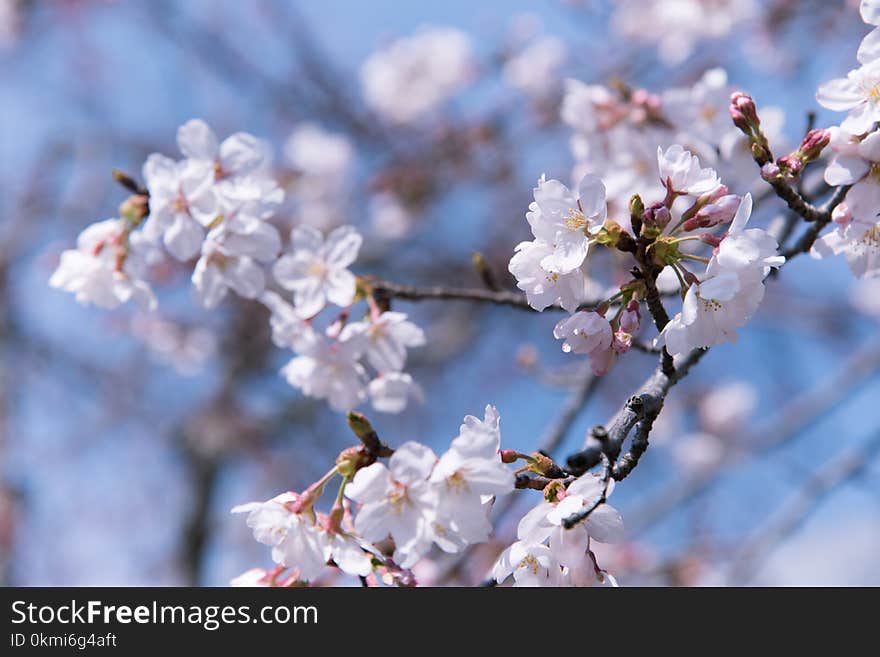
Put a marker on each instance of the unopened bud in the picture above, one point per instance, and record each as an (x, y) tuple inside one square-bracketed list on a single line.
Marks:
[(135, 208), (636, 211), (790, 165), (712, 240), (719, 212), (770, 172), (841, 214), (509, 455), (743, 111), (657, 216), (350, 460), (544, 465), (630, 320), (813, 144)]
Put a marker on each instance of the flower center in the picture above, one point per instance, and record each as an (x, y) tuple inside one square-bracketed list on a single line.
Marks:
[(457, 482), (398, 498), (317, 268), (531, 563), (871, 238), (710, 305), (575, 220)]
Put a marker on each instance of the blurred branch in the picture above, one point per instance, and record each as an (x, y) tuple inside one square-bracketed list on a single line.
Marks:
[(779, 429), (800, 506)]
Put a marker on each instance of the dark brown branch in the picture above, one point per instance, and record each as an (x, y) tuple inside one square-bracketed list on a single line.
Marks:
[(806, 241)]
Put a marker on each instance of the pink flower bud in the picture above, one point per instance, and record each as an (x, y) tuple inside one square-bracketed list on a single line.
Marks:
[(712, 240), (770, 172), (790, 164), (508, 456), (841, 214), (657, 215), (813, 144), (630, 320), (719, 212)]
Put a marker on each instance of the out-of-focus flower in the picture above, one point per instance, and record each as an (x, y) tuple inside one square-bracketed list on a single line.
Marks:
[(413, 76), (317, 270), (107, 267)]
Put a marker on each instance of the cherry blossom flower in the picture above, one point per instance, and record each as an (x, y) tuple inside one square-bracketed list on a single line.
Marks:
[(584, 332), (414, 75), (348, 554), (681, 172), (388, 336), (328, 369), (591, 334), (531, 564), (470, 471), (182, 203), (565, 220), (544, 288), (238, 155), (317, 270), (289, 330), (534, 70), (398, 500), (293, 536), (730, 291), (858, 94), (107, 267), (566, 560), (390, 392), (854, 158), (229, 261), (858, 237)]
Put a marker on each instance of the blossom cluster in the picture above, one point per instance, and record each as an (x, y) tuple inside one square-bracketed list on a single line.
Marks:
[(567, 226), (549, 554), (855, 144), (415, 501), (214, 206), (617, 131)]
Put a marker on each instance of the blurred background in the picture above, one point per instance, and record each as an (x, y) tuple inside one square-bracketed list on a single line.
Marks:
[(126, 437)]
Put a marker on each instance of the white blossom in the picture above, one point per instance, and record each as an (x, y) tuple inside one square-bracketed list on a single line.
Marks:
[(390, 392), (182, 203), (858, 94), (107, 267), (544, 288), (566, 220), (858, 237), (398, 500), (317, 270), (230, 260), (531, 564), (328, 369), (414, 75), (730, 291), (681, 171), (387, 336), (470, 471), (294, 537)]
